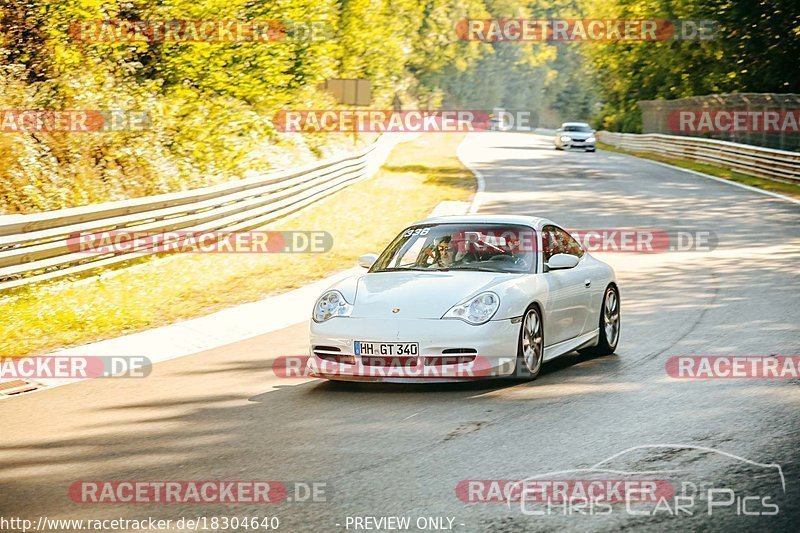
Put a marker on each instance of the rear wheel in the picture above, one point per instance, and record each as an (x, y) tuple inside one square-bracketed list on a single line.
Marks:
[(530, 352), (609, 324)]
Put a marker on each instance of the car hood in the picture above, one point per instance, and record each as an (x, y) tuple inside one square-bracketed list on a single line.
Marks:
[(577, 135), (418, 294)]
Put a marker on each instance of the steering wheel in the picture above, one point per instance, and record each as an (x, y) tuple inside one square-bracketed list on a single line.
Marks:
[(516, 261), (467, 259)]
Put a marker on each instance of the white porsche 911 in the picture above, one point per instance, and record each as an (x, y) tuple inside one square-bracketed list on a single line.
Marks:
[(463, 297)]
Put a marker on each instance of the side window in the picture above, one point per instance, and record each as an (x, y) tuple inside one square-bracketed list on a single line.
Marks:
[(549, 238), (568, 245), (557, 241)]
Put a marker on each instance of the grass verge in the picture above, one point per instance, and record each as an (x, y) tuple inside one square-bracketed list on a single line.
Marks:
[(361, 218), (789, 189)]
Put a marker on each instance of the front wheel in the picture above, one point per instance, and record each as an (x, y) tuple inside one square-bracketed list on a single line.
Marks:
[(530, 351), (609, 324)]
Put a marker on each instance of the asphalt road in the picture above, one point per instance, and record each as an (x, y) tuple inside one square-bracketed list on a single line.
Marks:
[(402, 450)]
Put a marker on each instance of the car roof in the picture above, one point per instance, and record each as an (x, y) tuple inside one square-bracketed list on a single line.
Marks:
[(575, 124), (533, 222)]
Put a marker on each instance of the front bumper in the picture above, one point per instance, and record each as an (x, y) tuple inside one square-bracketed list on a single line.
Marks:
[(583, 145), (493, 345)]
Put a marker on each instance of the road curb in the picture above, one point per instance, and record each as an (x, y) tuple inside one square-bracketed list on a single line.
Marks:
[(204, 333), (479, 193)]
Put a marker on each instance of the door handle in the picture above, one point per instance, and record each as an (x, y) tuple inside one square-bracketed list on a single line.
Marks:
[(587, 282)]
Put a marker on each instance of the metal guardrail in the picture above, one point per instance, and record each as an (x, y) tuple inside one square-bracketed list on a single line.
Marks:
[(35, 247), (768, 163), (656, 115)]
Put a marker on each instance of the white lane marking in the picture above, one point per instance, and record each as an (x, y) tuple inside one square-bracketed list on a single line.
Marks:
[(715, 178), (478, 198)]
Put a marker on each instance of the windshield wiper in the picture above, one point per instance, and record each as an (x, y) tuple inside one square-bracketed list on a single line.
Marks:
[(403, 269), (471, 267)]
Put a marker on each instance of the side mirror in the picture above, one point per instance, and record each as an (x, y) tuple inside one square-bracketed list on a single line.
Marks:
[(562, 261), (367, 260)]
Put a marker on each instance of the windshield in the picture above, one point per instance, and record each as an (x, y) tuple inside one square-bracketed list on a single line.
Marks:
[(442, 247), (584, 129)]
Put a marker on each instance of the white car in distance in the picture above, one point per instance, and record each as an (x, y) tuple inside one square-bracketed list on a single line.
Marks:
[(575, 135)]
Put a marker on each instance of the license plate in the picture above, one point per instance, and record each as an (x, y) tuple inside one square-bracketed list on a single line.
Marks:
[(386, 348)]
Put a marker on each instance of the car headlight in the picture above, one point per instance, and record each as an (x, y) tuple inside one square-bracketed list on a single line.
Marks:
[(565, 139), (329, 305), (477, 310), (590, 139)]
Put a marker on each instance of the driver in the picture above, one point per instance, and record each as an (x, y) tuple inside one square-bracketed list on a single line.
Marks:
[(443, 253), (512, 245)]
